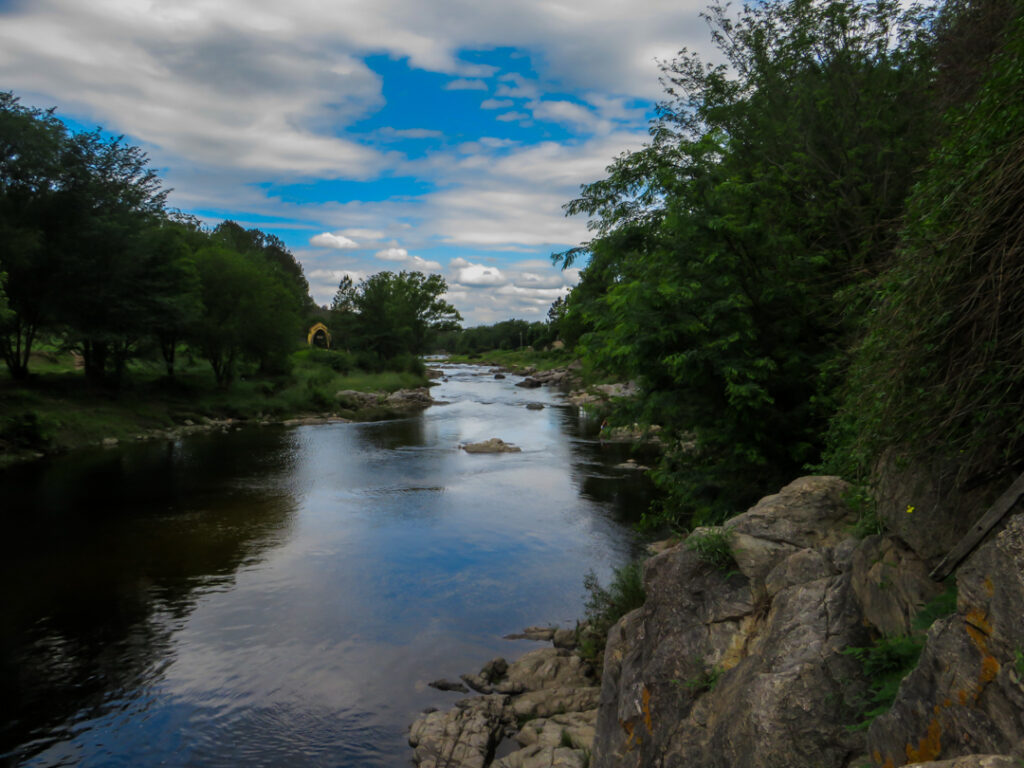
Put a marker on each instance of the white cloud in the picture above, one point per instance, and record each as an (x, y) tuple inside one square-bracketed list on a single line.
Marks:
[(393, 254), (327, 240), (496, 103), (467, 273), (568, 113), (466, 85), (402, 257)]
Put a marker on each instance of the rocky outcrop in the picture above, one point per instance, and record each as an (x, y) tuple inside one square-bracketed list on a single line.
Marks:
[(966, 695), (409, 399), (750, 666), (493, 445), (546, 701)]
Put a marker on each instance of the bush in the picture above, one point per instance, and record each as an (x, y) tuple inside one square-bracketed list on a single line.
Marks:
[(337, 360), (604, 607), (713, 548)]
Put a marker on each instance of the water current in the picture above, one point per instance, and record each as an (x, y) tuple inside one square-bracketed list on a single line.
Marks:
[(278, 596)]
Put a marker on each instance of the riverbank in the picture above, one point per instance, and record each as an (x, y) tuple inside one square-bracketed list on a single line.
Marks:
[(56, 412)]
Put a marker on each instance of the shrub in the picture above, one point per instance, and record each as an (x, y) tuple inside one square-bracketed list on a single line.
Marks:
[(604, 607), (713, 548)]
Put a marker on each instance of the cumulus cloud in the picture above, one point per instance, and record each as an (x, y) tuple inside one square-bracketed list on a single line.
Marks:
[(409, 133), (467, 273), (393, 254), (496, 103), (364, 234), (510, 117), (407, 261), (328, 240)]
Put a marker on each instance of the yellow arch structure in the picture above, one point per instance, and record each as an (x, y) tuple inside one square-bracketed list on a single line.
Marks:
[(319, 328)]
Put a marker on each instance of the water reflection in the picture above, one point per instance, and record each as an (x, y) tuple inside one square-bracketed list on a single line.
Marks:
[(281, 597)]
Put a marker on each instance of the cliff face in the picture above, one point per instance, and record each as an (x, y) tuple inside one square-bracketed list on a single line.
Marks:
[(747, 668)]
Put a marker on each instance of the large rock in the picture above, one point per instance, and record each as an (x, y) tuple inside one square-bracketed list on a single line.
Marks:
[(550, 668), (350, 398), (745, 669), (410, 399), (540, 756), (493, 445), (892, 584), (464, 737), (966, 694)]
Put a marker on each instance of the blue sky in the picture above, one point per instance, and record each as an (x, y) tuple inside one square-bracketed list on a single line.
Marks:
[(440, 135)]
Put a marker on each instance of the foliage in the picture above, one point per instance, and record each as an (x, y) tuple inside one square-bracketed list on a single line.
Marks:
[(770, 184), (860, 500), (706, 680), (713, 547), (939, 374), (885, 663), (604, 607), (939, 607), (505, 335)]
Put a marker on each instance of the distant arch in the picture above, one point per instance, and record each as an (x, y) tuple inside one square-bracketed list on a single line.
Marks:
[(319, 336)]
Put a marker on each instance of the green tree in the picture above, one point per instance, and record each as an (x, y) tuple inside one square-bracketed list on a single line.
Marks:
[(31, 142), (768, 188), (399, 313)]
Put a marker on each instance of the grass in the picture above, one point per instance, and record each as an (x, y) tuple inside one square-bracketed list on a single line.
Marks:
[(713, 548), (57, 411), (542, 360), (605, 606)]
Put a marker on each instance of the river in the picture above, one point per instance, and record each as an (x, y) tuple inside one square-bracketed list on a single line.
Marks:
[(281, 596)]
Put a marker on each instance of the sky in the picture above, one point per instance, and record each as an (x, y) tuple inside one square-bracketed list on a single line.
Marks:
[(433, 135)]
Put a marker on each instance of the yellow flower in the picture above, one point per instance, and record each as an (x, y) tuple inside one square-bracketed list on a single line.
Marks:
[(910, 509)]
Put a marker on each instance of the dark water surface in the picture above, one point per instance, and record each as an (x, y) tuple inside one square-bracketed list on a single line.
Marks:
[(281, 597)]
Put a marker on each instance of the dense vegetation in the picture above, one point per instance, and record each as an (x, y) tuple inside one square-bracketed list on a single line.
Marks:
[(820, 245)]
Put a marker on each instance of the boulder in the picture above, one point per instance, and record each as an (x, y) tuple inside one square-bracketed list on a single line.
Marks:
[(891, 582), (966, 694), (528, 383), (554, 701), (535, 406), (448, 685), (540, 756), (410, 399), (350, 398), (542, 634), (550, 668), (722, 669), (493, 445), (464, 737), (499, 375)]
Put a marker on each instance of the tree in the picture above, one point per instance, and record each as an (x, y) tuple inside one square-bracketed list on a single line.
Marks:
[(768, 188), (398, 314), (31, 141), (247, 314)]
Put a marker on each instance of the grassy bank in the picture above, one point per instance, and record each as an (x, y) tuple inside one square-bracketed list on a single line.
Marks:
[(56, 411), (518, 358)]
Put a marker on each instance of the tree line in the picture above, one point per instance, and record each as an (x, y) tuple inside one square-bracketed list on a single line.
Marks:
[(742, 262), (91, 256)]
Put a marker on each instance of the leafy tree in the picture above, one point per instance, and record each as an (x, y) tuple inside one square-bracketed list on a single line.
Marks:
[(247, 314), (109, 279), (31, 141), (768, 188), (399, 313)]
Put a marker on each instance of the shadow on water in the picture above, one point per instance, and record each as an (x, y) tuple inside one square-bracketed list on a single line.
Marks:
[(104, 556)]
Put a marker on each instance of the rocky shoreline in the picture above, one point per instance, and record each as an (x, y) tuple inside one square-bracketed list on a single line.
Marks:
[(758, 662), (536, 712)]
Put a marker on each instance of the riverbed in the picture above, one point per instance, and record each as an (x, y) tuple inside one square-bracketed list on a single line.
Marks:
[(282, 596)]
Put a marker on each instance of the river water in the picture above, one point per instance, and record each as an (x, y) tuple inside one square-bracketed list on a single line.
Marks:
[(281, 597)]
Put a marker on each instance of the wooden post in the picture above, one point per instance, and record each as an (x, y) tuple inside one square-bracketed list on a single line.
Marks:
[(980, 529)]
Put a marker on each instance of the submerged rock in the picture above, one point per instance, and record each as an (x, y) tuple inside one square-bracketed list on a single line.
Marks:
[(448, 685), (493, 445)]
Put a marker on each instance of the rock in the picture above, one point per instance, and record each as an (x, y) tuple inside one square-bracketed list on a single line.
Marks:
[(891, 582), (554, 701), (564, 638), (464, 737), (109, 442), (448, 685), (550, 668), (539, 756), (434, 373), (493, 445), (966, 694), (494, 670), (410, 399), (722, 670), (499, 375), (535, 406), (542, 634), (350, 398), (477, 683), (528, 383), (576, 728)]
